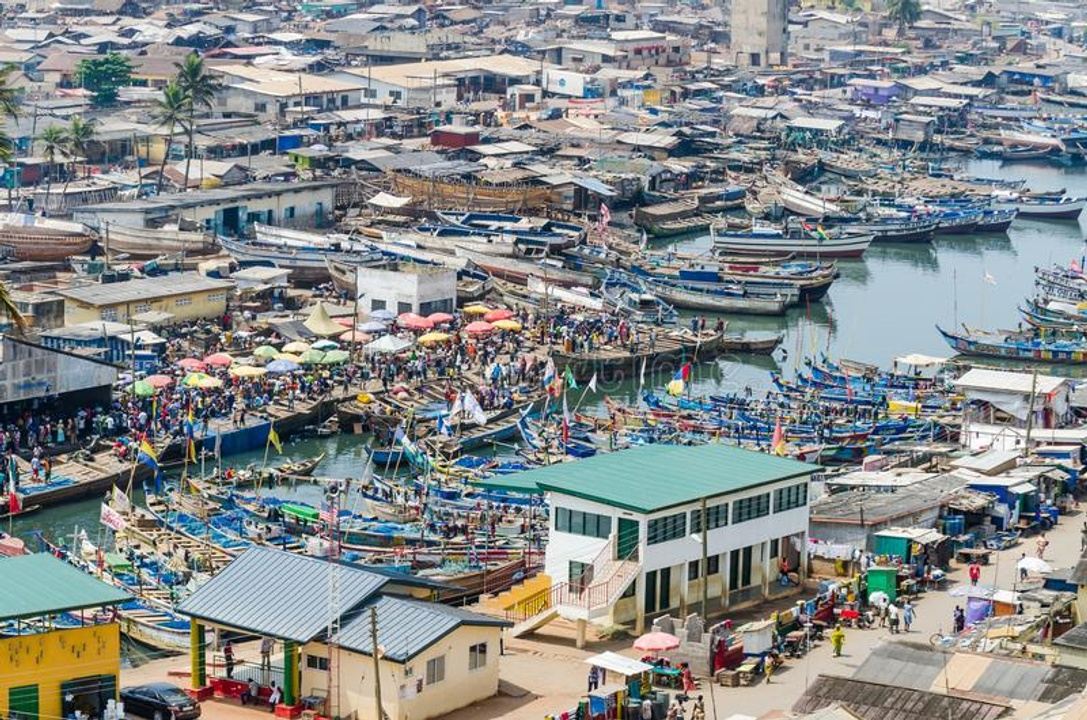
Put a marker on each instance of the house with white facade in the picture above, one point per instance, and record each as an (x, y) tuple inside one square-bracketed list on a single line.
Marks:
[(625, 541), (1000, 406)]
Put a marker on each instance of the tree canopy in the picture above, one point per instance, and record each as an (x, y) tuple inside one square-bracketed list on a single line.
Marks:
[(105, 76)]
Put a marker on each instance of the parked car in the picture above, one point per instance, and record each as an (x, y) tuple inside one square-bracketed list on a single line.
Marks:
[(160, 701)]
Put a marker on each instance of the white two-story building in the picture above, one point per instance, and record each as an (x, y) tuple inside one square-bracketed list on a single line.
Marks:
[(625, 539)]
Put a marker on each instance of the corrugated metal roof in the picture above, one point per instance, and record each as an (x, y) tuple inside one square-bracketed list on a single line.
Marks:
[(33, 585), (631, 479), (903, 664), (279, 594), (872, 701), (144, 289), (406, 628)]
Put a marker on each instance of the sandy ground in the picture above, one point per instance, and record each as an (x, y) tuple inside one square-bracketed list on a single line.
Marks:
[(544, 673)]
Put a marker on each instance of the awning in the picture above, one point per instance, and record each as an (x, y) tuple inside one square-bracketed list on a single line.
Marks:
[(385, 200), (616, 663), (1023, 489)]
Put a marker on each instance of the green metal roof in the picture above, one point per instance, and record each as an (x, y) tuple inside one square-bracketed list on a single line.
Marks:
[(35, 585), (657, 477), (518, 482)]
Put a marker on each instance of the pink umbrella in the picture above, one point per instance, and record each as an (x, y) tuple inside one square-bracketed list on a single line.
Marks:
[(479, 327), (656, 642), (498, 314), (345, 321), (411, 321), (191, 364), (355, 336), (439, 318), (159, 381), (219, 359)]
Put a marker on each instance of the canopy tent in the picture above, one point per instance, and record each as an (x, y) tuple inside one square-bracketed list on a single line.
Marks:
[(388, 201), (389, 344), (320, 323), (619, 664)]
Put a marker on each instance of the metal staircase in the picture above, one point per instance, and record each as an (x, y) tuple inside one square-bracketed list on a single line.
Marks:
[(610, 577)]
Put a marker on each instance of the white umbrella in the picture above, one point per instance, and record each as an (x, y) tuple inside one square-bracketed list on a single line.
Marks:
[(878, 598), (389, 344), (1034, 566)]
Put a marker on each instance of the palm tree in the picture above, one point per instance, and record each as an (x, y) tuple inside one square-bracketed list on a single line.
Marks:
[(170, 112), (54, 142), (8, 307), (78, 137), (904, 13), (199, 88), (9, 96)]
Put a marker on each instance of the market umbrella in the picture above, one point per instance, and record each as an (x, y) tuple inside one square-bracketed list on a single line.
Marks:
[(411, 321), (219, 360), (191, 364), (439, 318), (278, 367), (193, 379), (498, 314), (344, 321), (433, 337), (383, 314), (320, 323), (355, 336), (289, 357), (335, 357), (296, 347), (1033, 565), (209, 383), (479, 327), (265, 352), (511, 325), (247, 371), (388, 344), (372, 326), (325, 345), (142, 388), (311, 357), (476, 310), (656, 642), (159, 381)]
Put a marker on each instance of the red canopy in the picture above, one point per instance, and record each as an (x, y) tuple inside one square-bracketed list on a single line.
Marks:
[(479, 327), (439, 318), (411, 321), (498, 314), (159, 381), (191, 364), (219, 359)]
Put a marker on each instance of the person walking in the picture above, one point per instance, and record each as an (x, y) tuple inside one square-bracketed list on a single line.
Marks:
[(959, 619), (1042, 543), (837, 639), (228, 659), (1022, 568), (892, 617), (267, 644), (909, 614), (974, 570)]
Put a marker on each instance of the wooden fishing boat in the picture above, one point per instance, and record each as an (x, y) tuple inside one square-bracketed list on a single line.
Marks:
[(22, 512), (760, 239), (307, 265), (714, 299), (39, 239), (1062, 207), (753, 343), (154, 242), (847, 166), (1015, 346), (616, 363), (519, 271)]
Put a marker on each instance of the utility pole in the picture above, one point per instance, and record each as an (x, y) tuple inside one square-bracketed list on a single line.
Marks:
[(1030, 410), (377, 663), (705, 564)]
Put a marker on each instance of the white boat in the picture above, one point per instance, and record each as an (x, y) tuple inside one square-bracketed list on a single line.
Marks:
[(763, 240), (1013, 138), (287, 237), (578, 296), (1064, 207), (806, 204), (154, 242), (497, 245), (518, 271)]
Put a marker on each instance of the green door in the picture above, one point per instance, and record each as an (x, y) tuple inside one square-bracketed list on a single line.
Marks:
[(23, 703), (627, 540)]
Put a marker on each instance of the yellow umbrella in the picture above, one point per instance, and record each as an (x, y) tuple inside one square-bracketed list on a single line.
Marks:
[(476, 310), (294, 347), (289, 357), (247, 371), (209, 383), (433, 337), (193, 379), (511, 325)]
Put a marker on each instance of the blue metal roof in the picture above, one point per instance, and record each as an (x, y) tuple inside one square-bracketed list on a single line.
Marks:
[(406, 627), (279, 594)]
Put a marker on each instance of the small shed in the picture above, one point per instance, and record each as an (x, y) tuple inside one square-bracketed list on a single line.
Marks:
[(454, 136)]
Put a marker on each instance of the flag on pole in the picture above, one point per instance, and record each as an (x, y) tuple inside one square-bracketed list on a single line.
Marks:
[(120, 501), (777, 444), (641, 376), (111, 518), (549, 372), (443, 426), (568, 378), (1075, 266), (592, 383), (473, 409), (565, 421), (13, 497), (679, 380), (327, 515), (605, 215), (273, 439), (147, 455)]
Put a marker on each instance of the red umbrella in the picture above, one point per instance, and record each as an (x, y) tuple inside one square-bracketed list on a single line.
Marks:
[(498, 314), (355, 336), (191, 364), (159, 381), (345, 321), (219, 359), (479, 327), (656, 642), (411, 321), (439, 318)]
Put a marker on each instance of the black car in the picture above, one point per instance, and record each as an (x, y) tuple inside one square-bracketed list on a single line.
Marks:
[(160, 701)]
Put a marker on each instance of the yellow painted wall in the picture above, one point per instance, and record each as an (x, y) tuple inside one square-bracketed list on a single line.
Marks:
[(51, 659), (201, 305), (461, 686)]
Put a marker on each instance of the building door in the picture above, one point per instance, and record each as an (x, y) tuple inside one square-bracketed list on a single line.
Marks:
[(581, 574), (23, 702), (651, 591), (664, 597), (319, 214), (230, 221), (626, 542)]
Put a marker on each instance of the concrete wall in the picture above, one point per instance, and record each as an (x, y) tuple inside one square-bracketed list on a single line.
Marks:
[(28, 372), (48, 660), (402, 698), (414, 289), (205, 304), (759, 27)]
